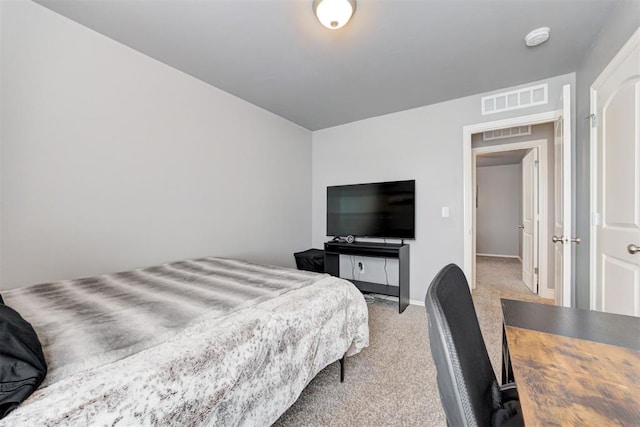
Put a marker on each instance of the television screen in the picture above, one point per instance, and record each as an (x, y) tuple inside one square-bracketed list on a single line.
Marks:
[(383, 209)]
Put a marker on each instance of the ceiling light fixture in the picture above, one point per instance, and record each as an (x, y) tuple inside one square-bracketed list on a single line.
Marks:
[(334, 14), (537, 36)]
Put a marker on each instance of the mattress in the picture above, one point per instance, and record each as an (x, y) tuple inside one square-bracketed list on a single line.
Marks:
[(207, 341)]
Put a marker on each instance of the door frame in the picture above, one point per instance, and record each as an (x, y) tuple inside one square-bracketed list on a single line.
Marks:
[(542, 287), (468, 265), (594, 220)]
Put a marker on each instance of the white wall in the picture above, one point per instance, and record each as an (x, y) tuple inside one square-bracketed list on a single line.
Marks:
[(424, 144), (112, 160), (498, 213)]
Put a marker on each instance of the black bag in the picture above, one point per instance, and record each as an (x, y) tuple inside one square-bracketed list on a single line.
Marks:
[(22, 364), (310, 260)]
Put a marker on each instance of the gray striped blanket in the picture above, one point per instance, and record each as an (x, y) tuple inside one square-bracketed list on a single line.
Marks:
[(207, 341)]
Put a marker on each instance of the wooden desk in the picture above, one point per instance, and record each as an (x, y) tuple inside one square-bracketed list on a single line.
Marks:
[(571, 366)]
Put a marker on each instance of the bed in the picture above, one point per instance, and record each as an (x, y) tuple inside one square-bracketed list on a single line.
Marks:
[(208, 341)]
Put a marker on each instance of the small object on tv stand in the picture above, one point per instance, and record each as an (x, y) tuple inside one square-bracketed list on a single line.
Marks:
[(340, 239), (333, 250)]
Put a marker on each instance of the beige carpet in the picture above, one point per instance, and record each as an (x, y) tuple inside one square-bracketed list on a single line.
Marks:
[(393, 381)]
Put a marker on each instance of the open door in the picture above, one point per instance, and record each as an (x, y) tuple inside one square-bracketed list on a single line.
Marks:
[(617, 189), (562, 228), (530, 220)]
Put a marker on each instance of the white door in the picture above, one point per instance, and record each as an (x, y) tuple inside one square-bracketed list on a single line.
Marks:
[(562, 187), (530, 220), (617, 108)]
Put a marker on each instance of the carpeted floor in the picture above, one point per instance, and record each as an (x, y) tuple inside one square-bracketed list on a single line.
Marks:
[(393, 381)]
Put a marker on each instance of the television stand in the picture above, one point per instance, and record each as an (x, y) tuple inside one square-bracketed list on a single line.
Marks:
[(333, 250)]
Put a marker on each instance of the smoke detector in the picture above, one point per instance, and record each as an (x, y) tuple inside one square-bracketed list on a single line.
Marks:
[(537, 36)]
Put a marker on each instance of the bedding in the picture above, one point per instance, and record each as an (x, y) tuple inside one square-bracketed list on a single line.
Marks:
[(207, 341)]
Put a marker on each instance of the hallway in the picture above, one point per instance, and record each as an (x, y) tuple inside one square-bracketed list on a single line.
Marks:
[(498, 278)]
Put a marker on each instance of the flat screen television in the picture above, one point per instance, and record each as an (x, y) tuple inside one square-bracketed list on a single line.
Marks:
[(382, 209)]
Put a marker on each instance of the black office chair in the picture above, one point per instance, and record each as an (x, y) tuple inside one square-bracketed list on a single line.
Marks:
[(468, 388)]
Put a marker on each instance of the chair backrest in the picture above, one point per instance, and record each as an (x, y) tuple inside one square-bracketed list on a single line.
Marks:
[(466, 379)]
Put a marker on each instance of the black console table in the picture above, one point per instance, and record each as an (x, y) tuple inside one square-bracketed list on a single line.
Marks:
[(333, 250)]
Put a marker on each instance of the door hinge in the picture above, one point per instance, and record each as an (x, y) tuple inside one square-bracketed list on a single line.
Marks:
[(594, 120), (536, 162), (535, 270)]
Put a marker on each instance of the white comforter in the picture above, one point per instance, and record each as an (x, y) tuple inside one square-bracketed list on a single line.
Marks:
[(245, 367)]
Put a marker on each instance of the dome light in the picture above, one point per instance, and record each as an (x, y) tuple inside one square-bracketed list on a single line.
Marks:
[(334, 14)]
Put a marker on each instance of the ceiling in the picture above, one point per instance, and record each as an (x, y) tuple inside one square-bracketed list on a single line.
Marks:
[(512, 157), (393, 55)]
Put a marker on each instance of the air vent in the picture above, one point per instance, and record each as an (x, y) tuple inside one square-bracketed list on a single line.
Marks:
[(513, 100), (506, 133)]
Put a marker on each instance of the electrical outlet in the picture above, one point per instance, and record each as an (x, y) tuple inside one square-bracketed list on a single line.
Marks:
[(361, 267)]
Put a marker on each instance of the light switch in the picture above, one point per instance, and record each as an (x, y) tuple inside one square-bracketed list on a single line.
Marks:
[(445, 212)]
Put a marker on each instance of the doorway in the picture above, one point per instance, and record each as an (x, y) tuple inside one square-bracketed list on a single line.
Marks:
[(513, 206), (562, 119)]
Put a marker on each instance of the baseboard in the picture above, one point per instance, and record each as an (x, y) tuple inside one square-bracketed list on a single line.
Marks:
[(499, 256), (411, 301), (548, 293)]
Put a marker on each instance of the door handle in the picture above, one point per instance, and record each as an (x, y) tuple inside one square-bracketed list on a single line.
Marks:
[(556, 239), (633, 249), (521, 226), (576, 240)]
